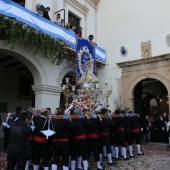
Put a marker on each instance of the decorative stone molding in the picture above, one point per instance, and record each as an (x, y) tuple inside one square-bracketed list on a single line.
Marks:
[(45, 89), (63, 72), (146, 49), (64, 3), (77, 5), (137, 70), (93, 3), (144, 61)]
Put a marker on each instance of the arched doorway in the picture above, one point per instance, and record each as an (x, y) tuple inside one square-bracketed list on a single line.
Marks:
[(150, 97), (15, 86)]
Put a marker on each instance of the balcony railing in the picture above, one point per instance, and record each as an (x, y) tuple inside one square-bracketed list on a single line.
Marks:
[(11, 9)]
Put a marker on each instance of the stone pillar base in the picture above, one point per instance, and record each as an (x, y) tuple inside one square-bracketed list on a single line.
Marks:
[(47, 96)]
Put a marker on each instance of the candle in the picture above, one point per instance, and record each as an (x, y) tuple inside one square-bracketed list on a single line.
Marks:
[(73, 88), (67, 80), (64, 86)]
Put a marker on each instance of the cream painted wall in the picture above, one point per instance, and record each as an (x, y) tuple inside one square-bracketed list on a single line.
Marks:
[(128, 23), (131, 22)]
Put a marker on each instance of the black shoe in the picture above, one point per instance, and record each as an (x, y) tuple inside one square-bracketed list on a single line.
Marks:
[(140, 153), (117, 159), (110, 163), (113, 163), (104, 157), (132, 156), (100, 169), (125, 159)]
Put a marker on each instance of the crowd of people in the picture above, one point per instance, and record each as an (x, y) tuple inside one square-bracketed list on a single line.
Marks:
[(33, 138), (156, 129), (61, 22)]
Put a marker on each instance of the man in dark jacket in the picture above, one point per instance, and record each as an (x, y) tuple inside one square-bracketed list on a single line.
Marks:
[(45, 13), (41, 147), (19, 148), (120, 135), (79, 145), (9, 121), (60, 140), (104, 135), (92, 137)]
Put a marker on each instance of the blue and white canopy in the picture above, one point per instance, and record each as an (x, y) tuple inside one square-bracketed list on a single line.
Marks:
[(14, 10), (100, 54)]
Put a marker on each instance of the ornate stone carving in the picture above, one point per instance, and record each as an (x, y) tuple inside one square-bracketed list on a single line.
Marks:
[(64, 3), (45, 89), (78, 5), (93, 3), (156, 67), (146, 49)]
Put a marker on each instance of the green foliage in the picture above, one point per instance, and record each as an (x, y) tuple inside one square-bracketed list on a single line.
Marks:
[(15, 32)]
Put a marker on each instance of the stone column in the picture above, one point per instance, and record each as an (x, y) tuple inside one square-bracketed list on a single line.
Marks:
[(125, 87), (47, 96), (131, 104), (169, 102)]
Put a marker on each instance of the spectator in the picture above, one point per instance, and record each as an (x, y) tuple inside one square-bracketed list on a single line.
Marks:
[(79, 32), (62, 23), (49, 110), (45, 13), (67, 26), (58, 20), (57, 110), (91, 37), (19, 149), (165, 120), (73, 29), (168, 130)]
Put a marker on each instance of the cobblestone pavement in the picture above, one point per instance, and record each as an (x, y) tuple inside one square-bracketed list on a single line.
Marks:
[(156, 157)]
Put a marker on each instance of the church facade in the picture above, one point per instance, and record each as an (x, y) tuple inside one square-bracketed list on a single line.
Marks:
[(135, 35)]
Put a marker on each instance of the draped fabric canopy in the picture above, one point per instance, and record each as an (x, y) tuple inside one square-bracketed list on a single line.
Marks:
[(14, 10), (11, 9)]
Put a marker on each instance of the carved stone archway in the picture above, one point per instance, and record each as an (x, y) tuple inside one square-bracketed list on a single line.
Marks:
[(135, 71)]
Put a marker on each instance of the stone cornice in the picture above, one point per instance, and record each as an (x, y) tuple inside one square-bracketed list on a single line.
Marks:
[(93, 3), (144, 60), (78, 5), (45, 89)]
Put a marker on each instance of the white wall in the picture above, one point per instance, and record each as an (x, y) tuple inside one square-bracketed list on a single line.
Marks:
[(128, 23)]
